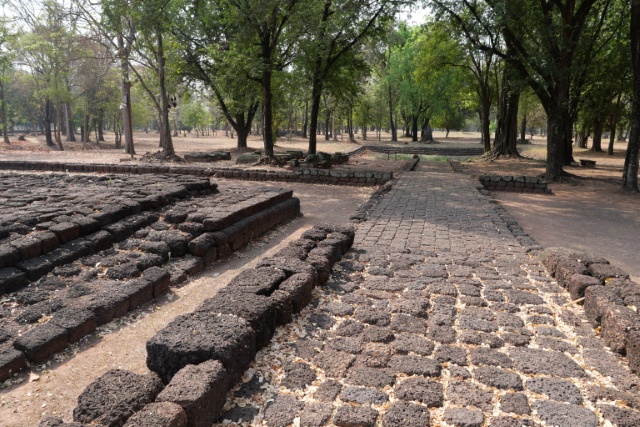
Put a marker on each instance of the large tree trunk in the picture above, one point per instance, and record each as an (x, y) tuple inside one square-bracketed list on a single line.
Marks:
[(414, 128), (47, 123), (316, 95), (267, 101), (165, 131), (485, 119), (555, 146), (598, 128), (100, 129), (125, 106), (71, 135), (392, 123), (612, 139), (507, 126), (630, 172), (427, 131)]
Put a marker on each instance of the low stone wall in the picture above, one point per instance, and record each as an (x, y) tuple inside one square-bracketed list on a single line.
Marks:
[(126, 264), (312, 176), (516, 184), (200, 355), (431, 150), (611, 300)]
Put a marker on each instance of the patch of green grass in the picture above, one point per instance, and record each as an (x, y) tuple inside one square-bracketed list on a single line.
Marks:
[(425, 158)]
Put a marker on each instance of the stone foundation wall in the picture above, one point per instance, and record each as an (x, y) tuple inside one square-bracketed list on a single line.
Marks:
[(197, 358), (124, 261), (516, 184), (611, 300), (313, 176)]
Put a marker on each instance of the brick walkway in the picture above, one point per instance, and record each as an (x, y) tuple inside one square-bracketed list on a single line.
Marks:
[(438, 316)]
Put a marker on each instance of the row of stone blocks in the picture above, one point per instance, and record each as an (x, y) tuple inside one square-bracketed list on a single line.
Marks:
[(69, 326), (200, 355), (31, 257), (334, 177), (611, 299), (427, 150), (517, 184)]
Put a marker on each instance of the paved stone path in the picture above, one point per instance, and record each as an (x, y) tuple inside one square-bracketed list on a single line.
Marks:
[(438, 316)]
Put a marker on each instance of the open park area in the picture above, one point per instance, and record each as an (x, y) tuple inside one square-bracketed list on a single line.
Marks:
[(421, 299), (303, 213)]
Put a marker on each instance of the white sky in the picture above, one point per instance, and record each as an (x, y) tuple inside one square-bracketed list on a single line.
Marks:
[(414, 16)]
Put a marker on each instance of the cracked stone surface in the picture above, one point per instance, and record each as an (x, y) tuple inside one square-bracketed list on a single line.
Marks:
[(439, 316)]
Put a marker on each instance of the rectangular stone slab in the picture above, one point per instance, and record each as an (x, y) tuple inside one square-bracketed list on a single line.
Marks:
[(201, 390), (197, 337)]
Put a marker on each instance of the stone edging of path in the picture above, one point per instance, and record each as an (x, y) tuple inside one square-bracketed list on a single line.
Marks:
[(200, 355), (517, 184), (427, 151), (610, 298), (222, 234), (312, 176)]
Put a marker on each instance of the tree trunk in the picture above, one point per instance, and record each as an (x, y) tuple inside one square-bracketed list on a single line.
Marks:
[(507, 127), (630, 172), (125, 106), (612, 139), (71, 134), (305, 124), (165, 131), (316, 95), (100, 129), (327, 123), (47, 123), (414, 128), (3, 113), (485, 119), (392, 123), (555, 146), (613, 124), (598, 128), (427, 132), (59, 126), (267, 125), (523, 129), (583, 137)]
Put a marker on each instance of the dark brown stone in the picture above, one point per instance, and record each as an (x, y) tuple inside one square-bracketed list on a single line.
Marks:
[(201, 390)]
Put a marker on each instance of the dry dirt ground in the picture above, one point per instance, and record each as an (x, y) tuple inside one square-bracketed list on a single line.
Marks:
[(588, 212)]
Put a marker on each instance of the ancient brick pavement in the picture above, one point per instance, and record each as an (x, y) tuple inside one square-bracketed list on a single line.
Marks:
[(438, 316)]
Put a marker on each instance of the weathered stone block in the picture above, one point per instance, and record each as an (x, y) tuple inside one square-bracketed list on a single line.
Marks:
[(597, 301), (11, 361), (164, 414), (42, 341), (77, 322), (616, 325), (159, 278), (259, 311), (578, 283), (114, 397), (197, 337), (261, 281), (604, 271), (201, 390)]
